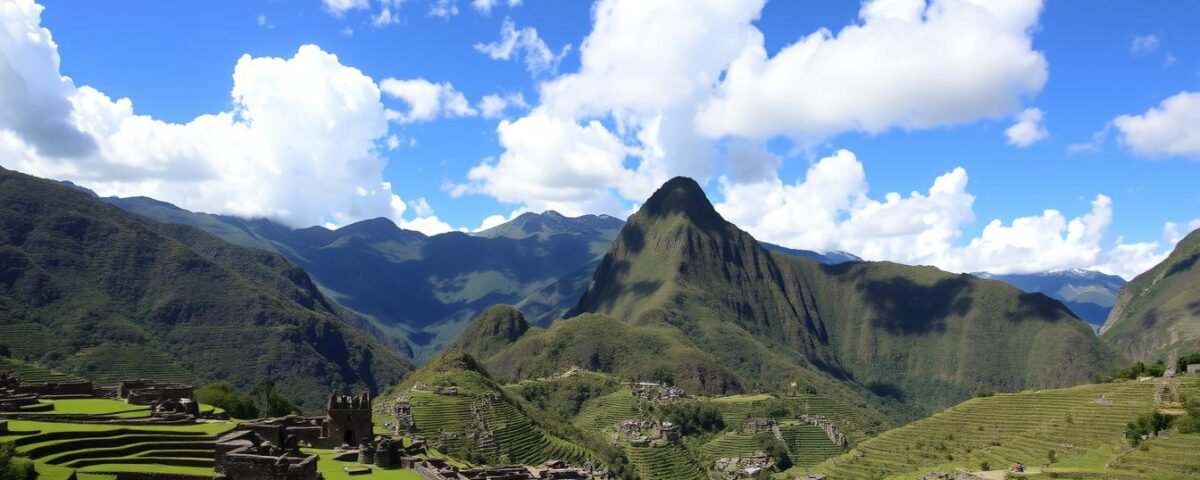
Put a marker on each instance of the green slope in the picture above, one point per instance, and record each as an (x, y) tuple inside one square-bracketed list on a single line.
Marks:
[(92, 290), (1157, 315), (418, 292), (914, 337)]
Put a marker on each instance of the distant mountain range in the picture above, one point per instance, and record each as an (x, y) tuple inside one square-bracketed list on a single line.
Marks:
[(417, 292), (1089, 294), (108, 295)]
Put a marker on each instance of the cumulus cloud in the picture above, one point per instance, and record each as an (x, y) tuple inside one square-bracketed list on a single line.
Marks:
[(681, 84), (945, 62), (829, 209), (1144, 44), (1171, 129), (298, 145), (1028, 130), (426, 100), (525, 43), (485, 6), (34, 99), (443, 8), (340, 7), (494, 105)]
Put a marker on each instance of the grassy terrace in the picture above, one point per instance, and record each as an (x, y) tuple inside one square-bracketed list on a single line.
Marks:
[(515, 435), (672, 462), (606, 411), (807, 444), (730, 444), (32, 373), (1004, 429)]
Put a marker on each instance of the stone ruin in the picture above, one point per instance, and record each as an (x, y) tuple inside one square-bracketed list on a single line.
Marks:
[(15, 393), (436, 469), (11, 400), (831, 430), (957, 475), (347, 422), (1193, 369), (661, 433), (402, 410), (738, 468), (150, 392), (245, 455), (654, 391), (757, 425), (386, 452)]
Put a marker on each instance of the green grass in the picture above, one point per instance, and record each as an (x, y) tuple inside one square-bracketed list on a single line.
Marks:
[(1001, 430), (671, 462), (110, 364), (731, 444), (807, 444), (333, 470), (606, 411)]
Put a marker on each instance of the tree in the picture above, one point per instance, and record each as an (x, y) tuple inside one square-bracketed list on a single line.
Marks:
[(776, 450), (5, 352), (12, 468), (271, 401), (694, 417), (222, 395), (1146, 425)]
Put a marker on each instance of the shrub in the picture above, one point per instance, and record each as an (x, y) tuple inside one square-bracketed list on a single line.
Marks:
[(12, 468), (694, 417), (985, 466), (1146, 425), (222, 395)]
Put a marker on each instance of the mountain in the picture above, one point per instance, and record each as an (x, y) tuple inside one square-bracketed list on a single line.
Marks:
[(1089, 294), (418, 292), (550, 223), (88, 288), (915, 337), (1157, 315)]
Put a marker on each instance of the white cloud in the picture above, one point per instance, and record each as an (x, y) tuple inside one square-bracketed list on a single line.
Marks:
[(340, 7), (525, 42), (262, 21), (671, 80), (1028, 130), (34, 98), (494, 105), (485, 6), (426, 100), (829, 209), (552, 164), (388, 13), (443, 8), (393, 142), (1172, 129), (299, 143), (907, 65), (1144, 44), (1175, 232), (421, 207)]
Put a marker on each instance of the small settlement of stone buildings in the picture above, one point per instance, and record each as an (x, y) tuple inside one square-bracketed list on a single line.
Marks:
[(744, 467)]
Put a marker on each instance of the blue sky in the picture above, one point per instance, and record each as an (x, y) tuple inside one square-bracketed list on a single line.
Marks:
[(175, 61)]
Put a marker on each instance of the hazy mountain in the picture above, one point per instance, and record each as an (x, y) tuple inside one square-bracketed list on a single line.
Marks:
[(1089, 294), (917, 336), (92, 289), (1157, 315), (828, 258), (422, 290)]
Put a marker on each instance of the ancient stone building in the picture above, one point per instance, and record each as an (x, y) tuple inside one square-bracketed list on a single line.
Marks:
[(757, 425), (348, 418), (150, 392), (387, 452), (347, 421), (434, 469), (244, 455)]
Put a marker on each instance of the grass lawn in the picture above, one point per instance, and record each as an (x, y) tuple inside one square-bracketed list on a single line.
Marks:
[(333, 469), (743, 398)]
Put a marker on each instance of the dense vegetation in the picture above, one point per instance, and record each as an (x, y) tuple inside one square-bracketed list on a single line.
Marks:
[(1157, 315), (13, 468), (913, 339), (105, 294)]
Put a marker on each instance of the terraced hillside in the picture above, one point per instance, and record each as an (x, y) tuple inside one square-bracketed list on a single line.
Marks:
[(110, 364), (1076, 423), (1176, 457), (730, 444), (463, 413), (672, 462), (31, 373), (857, 423), (807, 444), (60, 448), (606, 411)]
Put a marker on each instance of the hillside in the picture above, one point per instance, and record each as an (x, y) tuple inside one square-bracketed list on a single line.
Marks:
[(1084, 426), (915, 337), (467, 415), (418, 292), (100, 293), (1157, 315), (1088, 294)]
